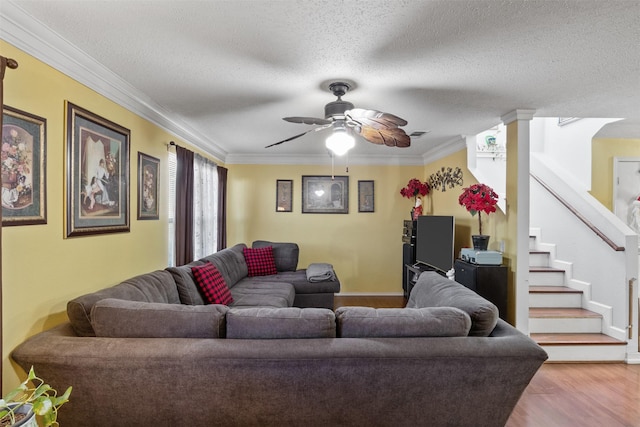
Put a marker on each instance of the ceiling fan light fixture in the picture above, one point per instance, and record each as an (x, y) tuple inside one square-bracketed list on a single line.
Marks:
[(339, 142)]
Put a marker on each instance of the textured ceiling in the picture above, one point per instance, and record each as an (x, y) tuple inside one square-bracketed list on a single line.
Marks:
[(233, 69)]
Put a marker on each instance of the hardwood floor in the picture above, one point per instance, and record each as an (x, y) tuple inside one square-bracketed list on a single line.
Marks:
[(562, 394)]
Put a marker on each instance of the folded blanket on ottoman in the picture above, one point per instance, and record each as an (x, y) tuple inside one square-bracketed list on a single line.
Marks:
[(320, 272)]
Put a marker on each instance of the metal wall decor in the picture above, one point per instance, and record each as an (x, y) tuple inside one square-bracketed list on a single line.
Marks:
[(445, 177)]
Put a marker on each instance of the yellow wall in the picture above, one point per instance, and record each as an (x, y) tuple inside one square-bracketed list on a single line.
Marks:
[(603, 150), (446, 203), (41, 269), (364, 248)]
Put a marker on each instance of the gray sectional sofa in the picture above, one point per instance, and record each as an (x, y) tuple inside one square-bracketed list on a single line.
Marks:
[(138, 355)]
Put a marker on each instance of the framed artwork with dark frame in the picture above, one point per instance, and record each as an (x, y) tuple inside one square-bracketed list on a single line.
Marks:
[(97, 163), (284, 195), (148, 186), (24, 178), (366, 196), (325, 194)]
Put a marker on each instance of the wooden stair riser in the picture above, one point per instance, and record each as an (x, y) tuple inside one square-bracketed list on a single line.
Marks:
[(555, 300), (565, 325), (546, 278)]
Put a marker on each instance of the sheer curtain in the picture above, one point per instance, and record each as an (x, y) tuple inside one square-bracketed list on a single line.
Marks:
[(205, 207)]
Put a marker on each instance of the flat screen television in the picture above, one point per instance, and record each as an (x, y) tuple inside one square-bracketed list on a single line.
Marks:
[(434, 241)]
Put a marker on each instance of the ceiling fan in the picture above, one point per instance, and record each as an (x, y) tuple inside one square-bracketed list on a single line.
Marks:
[(344, 119)]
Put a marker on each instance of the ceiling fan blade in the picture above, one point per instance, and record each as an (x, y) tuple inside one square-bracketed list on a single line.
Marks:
[(299, 135), (391, 137), (307, 120), (375, 118)]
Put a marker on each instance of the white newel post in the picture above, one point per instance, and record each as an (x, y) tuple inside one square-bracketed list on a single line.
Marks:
[(523, 119)]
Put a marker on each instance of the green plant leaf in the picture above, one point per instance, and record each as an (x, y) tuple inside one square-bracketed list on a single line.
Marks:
[(42, 405)]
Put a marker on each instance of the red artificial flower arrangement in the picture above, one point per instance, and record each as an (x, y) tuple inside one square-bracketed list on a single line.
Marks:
[(479, 198), (415, 188)]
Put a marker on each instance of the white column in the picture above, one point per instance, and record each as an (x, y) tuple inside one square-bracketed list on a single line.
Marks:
[(521, 288)]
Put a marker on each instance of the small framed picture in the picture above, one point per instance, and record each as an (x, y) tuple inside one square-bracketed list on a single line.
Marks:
[(24, 200), (148, 186), (284, 195), (325, 194), (366, 196)]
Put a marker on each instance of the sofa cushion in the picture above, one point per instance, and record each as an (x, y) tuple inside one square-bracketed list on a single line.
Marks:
[(285, 254), (367, 322), (230, 263), (157, 286), (433, 290), (188, 289), (260, 261), (212, 284), (133, 319), (267, 294), (277, 323)]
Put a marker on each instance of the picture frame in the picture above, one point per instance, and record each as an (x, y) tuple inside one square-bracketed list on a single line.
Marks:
[(284, 195), (24, 178), (97, 174), (366, 196), (148, 187), (325, 194)]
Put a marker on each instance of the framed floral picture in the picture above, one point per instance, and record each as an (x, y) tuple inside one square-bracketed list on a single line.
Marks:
[(148, 186), (97, 174), (24, 189)]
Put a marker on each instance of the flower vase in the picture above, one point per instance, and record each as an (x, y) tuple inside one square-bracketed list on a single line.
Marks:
[(480, 242)]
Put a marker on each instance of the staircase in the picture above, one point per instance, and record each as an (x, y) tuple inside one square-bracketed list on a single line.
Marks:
[(557, 320)]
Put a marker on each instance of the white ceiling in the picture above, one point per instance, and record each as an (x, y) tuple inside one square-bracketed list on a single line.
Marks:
[(230, 70)]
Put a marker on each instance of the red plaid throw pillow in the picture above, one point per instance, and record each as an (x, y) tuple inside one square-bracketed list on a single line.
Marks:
[(212, 284), (260, 261)]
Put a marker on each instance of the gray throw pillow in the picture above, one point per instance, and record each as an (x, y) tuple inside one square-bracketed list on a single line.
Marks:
[(367, 322), (116, 318), (286, 322), (285, 254)]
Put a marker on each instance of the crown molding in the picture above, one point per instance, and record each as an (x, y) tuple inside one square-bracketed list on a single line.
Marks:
[(443, 150), (520, 114), (323, 159), (26, 33)]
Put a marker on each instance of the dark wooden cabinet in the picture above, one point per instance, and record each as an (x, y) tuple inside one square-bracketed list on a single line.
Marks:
[(488, 281)]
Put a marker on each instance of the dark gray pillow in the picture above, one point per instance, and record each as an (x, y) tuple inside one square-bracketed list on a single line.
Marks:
[(274, 323), (367, 322), (188, 289), (133, 319), (285, 254), (433, 290)]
